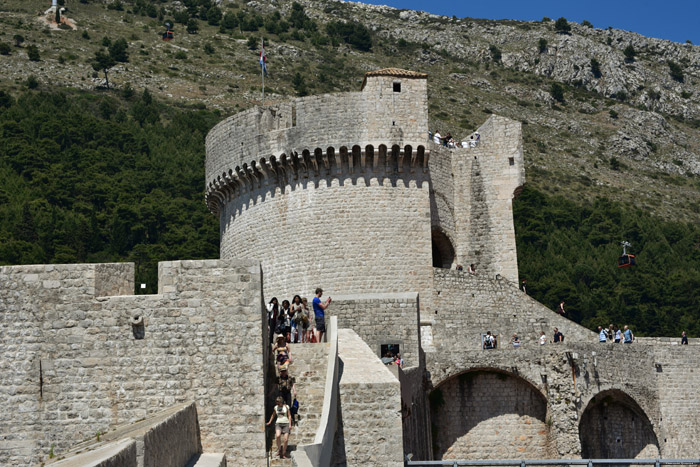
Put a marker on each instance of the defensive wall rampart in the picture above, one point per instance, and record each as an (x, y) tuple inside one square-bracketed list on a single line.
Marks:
[(73, 364), (642, 398), (472, 191), (344, 186)]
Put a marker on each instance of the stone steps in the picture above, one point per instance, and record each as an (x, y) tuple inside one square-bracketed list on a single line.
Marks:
[(310, 362), (308, 368)]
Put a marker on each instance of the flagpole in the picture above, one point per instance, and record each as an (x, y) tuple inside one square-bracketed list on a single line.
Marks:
[(262, 69)]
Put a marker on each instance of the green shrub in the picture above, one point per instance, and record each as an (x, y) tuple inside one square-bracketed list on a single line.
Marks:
[(586, 23), (495, 53), (542, 44), (5, 48), (675, 71), (32, 82), (557, 92), (192, 26), (562, 26), (33, 53), (353, 33), (630, 53), (181, 55), (117, 50), (595, 68)]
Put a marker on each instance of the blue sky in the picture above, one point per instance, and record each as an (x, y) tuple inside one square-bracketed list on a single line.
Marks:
[(675, 20)]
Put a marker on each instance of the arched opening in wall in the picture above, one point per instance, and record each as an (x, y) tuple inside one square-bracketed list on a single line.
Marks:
[(488, 414), (443, 251), (614, 426)]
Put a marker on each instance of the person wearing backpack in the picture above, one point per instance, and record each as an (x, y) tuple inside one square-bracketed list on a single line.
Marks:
[(285, 384)]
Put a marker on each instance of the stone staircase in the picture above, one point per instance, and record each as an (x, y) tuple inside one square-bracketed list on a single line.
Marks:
[(309, 365)]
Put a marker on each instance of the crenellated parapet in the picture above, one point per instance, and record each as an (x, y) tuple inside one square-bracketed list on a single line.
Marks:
[(381, 129), (330, 162)]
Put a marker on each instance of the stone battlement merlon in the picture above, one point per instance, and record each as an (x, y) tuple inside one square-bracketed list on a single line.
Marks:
[(381, 161), (390, 110)]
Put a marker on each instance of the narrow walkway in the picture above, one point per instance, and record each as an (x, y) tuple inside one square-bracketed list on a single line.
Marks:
[(308, 368)]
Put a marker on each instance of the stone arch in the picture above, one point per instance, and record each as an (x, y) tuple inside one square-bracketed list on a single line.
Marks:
[(443, 251), (614, 426), (488, 413)]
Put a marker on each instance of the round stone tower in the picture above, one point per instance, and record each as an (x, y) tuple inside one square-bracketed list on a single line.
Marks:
[(336, 191)]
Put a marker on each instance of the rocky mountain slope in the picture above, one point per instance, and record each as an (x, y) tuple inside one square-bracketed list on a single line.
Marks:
[(605, 112)]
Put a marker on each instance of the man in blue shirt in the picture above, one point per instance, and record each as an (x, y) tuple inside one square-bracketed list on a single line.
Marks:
[(319, 313), (629, 337)]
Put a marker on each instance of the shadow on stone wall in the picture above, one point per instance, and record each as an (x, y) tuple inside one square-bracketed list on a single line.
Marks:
[(488, 414), (614, 426)]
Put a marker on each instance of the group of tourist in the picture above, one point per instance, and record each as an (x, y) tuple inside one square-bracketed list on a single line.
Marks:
[(292, 323), (294, 320), (449, 142), (615, 334)]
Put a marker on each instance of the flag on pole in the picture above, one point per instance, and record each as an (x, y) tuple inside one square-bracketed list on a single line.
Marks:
[(263, 59)]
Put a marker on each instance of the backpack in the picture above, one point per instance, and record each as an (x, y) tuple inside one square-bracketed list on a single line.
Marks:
[(286, 384)]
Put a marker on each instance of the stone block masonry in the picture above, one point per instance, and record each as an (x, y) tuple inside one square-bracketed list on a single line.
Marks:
[(73, 366), (370, 407), (381, 319)]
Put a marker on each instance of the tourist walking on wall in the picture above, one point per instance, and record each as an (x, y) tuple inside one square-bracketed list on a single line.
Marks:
[(320, 313), (285, 384), (543, 338), (471, 269), (602, 334), (560, 310), (282, 425), (515, 340), (558, 336), (437, 138), (281, 351), (308, 323), (618, 335), (489, 341), (272, 313), (286, 320), (628, 335), (611, 333), (684, 338), (298, 320)]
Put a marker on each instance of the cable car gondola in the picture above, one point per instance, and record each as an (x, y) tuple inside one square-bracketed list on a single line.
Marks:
[(626, 261), (168, 34)]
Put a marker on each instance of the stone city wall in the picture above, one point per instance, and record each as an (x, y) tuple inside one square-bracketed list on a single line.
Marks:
[(639, 399), (348, 235), (375, 116), (369, 431), (381, 319), (73, 365), (473, 191), (467, 306)]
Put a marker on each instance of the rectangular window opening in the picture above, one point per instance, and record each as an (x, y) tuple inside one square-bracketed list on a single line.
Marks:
[(388, 352), (397, 87), (511, 161)]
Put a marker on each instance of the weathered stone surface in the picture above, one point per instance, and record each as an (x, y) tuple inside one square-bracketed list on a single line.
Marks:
[(72, 366)]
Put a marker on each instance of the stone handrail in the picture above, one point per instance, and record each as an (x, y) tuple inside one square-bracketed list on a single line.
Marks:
[(320, 452)]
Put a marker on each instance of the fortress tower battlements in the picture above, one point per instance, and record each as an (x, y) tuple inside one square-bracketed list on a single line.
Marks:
[(353, 195)]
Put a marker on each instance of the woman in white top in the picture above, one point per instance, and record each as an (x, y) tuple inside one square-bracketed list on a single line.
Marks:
[(543, 338), (282, 425)]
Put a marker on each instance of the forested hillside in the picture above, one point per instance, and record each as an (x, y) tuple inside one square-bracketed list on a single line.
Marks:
[(611, 126), (96, 178)]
